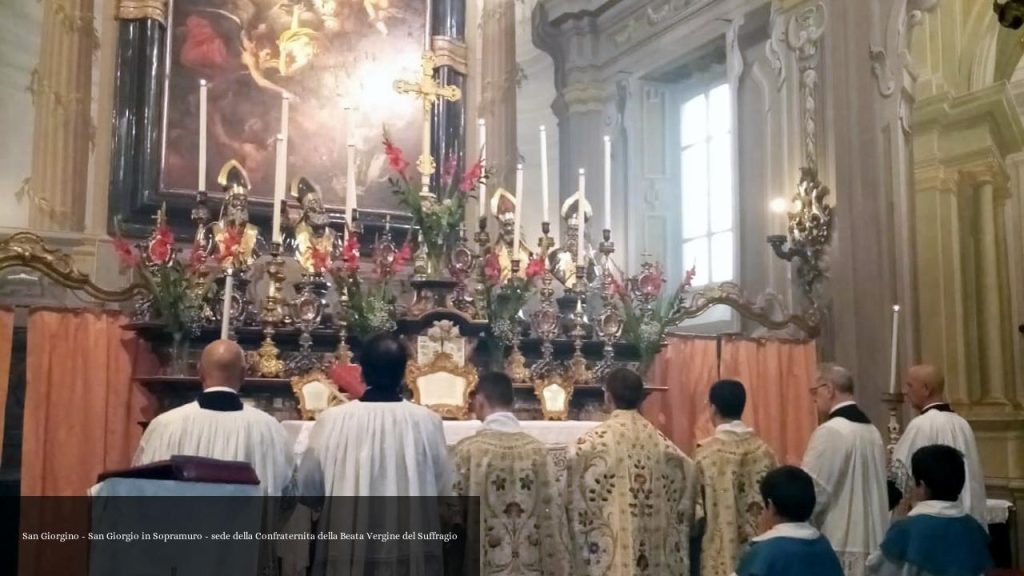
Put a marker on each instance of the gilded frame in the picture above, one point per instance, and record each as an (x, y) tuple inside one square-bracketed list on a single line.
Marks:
[(544, 383), (443, 363), (300, 382), (27, 250)]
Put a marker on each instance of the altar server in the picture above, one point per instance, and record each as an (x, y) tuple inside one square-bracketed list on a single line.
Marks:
[(379, 445), (790, 546), (218, 425), (730, 466), (937, 424), (524, 530), (846, 459), (938, 537), (630, 492)]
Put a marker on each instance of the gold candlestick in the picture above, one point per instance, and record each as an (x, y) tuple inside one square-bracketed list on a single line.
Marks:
[(483, 242), (268, 363)]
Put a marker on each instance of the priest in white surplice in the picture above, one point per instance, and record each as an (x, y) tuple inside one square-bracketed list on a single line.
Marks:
[(218, 425), (937, 424), (379, 445), (846, 459)]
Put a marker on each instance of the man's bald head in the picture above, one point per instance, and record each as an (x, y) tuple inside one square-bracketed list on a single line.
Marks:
[(925, 385), (222, 364)]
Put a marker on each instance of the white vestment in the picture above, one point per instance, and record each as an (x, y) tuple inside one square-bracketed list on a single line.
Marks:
[(369, 449), (246, 435), (847, 462), (950, 429)]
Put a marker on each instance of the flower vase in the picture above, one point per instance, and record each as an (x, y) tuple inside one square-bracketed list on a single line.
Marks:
[(178, 365)]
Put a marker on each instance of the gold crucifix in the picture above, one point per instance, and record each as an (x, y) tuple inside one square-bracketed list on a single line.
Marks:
[(428, 90)]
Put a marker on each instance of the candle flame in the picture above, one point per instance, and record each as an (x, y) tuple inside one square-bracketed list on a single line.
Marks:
[(896, 308), (778, 205), (582, 171)]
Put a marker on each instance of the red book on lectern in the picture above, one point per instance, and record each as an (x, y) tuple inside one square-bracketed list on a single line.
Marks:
[(190, 469)]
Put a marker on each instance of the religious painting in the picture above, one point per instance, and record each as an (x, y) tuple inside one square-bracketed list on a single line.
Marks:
[(335, 60)]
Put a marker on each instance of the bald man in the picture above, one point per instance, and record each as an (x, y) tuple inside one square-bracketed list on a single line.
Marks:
[(218, 425), (937, 424)]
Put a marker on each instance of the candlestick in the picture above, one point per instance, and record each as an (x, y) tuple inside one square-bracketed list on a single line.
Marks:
[(284, 119), (280, 178), (518, 212), (544, 174), (581, 217), (607, 182), (202, 134), (350, 184), (481, 129), (225, 315), (895, 348)]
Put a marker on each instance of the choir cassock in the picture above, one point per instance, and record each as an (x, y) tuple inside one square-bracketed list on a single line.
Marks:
[(218, 425), (630, 492), (938, 424), (523, 528), (730, 466), (847, 460), (936, 538), (790, 549)]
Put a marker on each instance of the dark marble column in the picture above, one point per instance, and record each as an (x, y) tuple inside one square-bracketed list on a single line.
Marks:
[(448, 26)]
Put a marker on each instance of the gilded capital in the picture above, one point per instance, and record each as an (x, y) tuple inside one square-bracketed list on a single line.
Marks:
[(451, 52), (984, 171), (142, 9)]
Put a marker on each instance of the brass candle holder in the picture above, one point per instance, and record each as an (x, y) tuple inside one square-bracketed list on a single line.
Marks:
[(515, 365), (268, 362), (483, 242), (578, 373), (545, 320), (610, 322), (894, 403)]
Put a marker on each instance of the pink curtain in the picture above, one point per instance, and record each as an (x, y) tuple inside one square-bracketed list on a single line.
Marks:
[(687, 367), (777, 375), (82, 407)]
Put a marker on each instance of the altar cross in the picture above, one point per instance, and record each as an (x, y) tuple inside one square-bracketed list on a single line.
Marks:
[(429, 91)]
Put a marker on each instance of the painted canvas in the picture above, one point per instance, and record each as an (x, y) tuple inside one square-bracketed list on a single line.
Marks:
[(337, 61)]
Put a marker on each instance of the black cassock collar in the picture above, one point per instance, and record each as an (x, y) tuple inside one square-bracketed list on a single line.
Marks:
[(220, 401), (939, 407), (851, 412)]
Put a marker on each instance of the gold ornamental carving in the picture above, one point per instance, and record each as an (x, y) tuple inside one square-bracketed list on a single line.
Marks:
[(463, 378), (142, 9), (553, 393), (26, 250), (316, 393), (452, 53)]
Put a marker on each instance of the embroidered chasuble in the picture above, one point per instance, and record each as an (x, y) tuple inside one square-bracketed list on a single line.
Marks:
[(630, 495), (938, 424), (522, 524), (846, 458), (730, 467)]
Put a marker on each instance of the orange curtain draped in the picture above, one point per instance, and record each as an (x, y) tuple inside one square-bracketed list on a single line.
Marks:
[(688, 366), (81, 406), (777, 376), (6, 341)]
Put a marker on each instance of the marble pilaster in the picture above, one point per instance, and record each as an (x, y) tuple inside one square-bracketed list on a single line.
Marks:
[(499, 74), (63, 131)]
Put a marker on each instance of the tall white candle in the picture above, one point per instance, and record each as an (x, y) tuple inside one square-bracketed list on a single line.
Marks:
[(202, 134), (284, 119), (607, 182), (895, 348), (280, 183), (519, 210), (225, 315), (581, 217), (481, 130), (350, 184), (544, 174)]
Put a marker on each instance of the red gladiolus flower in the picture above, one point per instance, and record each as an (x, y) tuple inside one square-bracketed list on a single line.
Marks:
[(125, 253), (402, 257), (535, 268), (349, 379), (449, 170), (196, 260), (203, 50), (161, 244), (492, 269), (321, 259), (350, 253), (232, 243), (618, 289), (471, 177), (395, 159)]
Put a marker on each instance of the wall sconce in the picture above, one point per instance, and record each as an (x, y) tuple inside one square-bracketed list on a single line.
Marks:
[(1010, 13), (810, 231)]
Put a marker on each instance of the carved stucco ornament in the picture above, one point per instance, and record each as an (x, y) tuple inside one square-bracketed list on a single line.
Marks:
[(142, 9)]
